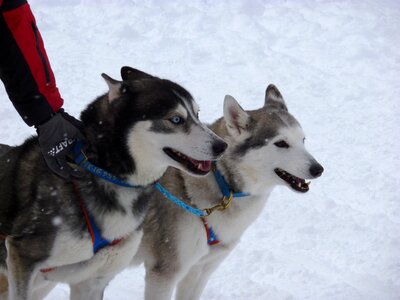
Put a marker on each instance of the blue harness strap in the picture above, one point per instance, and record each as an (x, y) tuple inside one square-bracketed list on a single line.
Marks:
[(212, 238), (97, 239), (179, 202), (224, 187), (82, 161)]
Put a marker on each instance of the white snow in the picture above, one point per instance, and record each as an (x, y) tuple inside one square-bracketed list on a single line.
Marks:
[(57, 221), (336, 63)]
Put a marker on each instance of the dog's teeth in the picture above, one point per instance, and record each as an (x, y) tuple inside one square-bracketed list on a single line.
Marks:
[(299, 184), (308, 183)]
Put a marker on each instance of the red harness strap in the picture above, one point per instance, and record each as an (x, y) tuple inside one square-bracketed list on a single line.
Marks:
[(85, 213), (212, 238), (97, 240), (47, 270)]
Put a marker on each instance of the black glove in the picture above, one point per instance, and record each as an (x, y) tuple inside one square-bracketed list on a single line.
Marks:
[(56, 139)]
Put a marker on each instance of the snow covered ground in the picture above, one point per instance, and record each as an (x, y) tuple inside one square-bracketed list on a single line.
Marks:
[(338, 66)]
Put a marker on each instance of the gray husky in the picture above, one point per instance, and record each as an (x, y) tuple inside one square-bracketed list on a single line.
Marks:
[(265, 149), (139, 128)]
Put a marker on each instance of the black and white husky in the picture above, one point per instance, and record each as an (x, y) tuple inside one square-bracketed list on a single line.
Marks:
[(265, 149), (139, 128)]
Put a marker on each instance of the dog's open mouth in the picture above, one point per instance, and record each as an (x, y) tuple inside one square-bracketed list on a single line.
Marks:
[(200, 167), (298, 184)]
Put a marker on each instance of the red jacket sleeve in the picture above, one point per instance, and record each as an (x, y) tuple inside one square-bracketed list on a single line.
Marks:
[(24, 66)]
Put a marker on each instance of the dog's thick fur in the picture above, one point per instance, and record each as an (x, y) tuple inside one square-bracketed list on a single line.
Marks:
[(140, 127), (261, 143)]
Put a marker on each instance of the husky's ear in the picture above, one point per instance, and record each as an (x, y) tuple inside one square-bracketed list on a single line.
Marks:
[(128, 73), (114, 87), (274, 99), (235, 117)]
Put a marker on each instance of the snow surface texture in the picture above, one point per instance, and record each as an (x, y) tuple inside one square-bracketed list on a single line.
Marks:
[(337, 65)]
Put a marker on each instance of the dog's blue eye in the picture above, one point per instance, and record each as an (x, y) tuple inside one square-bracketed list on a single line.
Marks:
[(281, 144), (177, 120)]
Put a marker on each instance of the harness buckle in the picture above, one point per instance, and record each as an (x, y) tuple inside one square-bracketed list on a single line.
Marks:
[(224, 204)]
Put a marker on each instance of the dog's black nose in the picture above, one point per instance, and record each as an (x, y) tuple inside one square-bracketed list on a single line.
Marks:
[(219, 147), (316, 170)]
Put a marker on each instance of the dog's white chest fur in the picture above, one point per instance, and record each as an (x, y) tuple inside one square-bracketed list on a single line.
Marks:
[(120, 224)]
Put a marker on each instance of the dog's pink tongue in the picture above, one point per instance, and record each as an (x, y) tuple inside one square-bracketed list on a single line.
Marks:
[(204, 165)]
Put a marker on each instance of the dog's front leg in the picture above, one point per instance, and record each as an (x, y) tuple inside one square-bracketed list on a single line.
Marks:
[(21, 271), (192, 285), (159, 285), (188, 283), (41, 288), (92, 289)]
